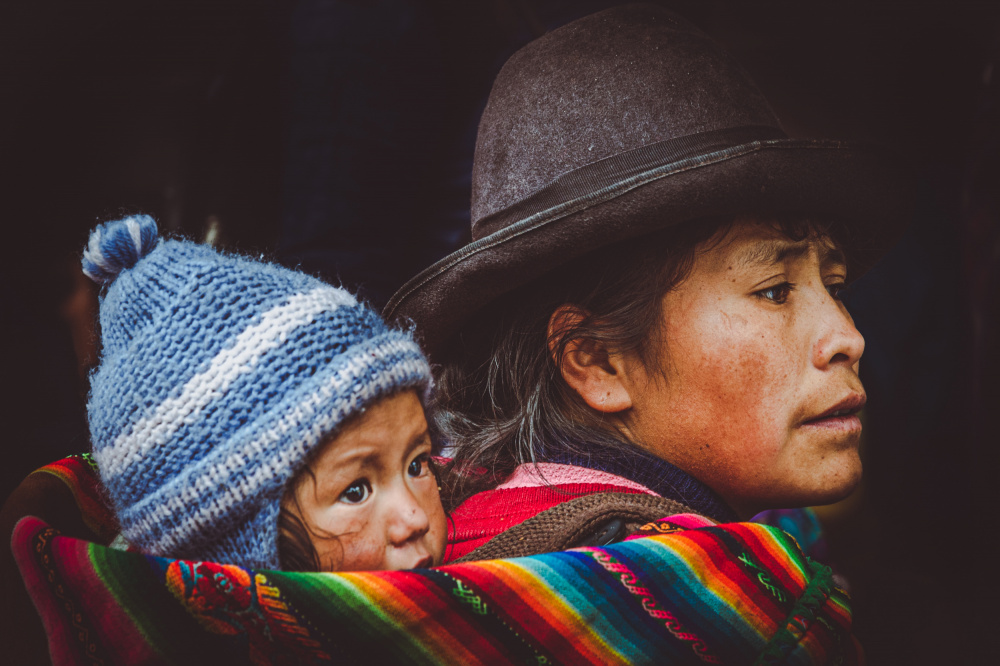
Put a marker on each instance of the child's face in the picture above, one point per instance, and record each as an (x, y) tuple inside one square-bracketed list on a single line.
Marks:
[(761, 384), (372, 501)]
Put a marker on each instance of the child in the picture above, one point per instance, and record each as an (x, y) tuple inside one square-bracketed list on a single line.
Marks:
[(249, 414)]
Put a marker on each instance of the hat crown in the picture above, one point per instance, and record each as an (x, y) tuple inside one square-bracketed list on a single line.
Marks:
[(601, 86), (623, 123)]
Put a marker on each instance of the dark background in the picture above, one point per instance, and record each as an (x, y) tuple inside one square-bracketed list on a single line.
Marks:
[(337, 137)]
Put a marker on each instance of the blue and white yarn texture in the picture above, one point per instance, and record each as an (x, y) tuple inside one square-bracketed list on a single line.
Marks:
[(118, 245), (219, 375)]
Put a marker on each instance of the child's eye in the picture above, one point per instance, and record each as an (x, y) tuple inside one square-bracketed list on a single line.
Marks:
[(777, 294), (838, 290), (357, 492), (418, 465)]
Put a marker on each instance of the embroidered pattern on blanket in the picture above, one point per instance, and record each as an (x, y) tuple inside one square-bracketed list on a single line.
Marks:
[(229, 600), (689, 597), (631, 582)]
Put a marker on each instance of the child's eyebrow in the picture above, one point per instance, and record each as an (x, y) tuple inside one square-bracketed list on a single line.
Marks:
[(421, 438), (370, 454), (768, 253), (359, 458)]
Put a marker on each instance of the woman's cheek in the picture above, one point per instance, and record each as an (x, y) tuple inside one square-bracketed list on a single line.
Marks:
[(741, 393)]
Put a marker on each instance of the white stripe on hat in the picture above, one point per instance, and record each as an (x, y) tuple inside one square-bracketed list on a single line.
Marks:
[(136, 233), (93, 252), (311, 412), (250, 346)]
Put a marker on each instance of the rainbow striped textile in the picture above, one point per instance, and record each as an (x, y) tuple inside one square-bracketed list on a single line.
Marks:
[(739, 593), (79, 473)]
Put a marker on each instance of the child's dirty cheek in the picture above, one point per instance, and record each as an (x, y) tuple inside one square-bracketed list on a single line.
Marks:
[(354, 527)]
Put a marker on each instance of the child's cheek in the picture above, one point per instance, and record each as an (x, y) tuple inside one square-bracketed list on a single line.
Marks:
[(340, 519), (439, 534), (345, 541), (364, 551)]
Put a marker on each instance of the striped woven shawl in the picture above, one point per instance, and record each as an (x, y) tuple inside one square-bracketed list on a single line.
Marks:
[(686, 592)]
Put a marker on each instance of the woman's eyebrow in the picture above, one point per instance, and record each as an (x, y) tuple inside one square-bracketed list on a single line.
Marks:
[(768, 253), (832, 255)]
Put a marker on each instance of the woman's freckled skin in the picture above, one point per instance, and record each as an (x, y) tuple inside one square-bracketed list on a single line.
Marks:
[(743, 372)]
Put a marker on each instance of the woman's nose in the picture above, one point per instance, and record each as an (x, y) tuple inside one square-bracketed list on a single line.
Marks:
[(838, 342)]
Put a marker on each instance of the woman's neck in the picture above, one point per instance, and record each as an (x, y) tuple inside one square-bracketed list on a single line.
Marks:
[(656, 474)]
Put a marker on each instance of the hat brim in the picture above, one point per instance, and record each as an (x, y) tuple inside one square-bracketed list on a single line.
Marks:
[(857, 189)]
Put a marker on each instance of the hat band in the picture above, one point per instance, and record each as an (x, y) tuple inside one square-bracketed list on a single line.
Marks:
[(601, 179)]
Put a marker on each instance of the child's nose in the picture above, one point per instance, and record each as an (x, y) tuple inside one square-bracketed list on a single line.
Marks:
[(408, 519)]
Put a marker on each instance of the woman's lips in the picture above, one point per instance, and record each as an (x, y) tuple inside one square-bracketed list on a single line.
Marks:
[(847, 423), (842, 417)]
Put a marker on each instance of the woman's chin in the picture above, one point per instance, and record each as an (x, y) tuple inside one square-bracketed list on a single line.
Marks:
[(837, 485), (830, 488)]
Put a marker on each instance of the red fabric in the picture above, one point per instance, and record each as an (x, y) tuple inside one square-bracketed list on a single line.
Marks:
[(79, 473), (487, 514)]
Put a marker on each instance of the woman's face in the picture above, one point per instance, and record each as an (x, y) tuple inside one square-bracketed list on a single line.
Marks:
[(758, 388), (371, 502)]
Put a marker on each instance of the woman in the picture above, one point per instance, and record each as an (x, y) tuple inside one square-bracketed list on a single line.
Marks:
[(652, 292)]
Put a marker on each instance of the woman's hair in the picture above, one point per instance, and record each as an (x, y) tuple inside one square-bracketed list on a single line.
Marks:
[(502, 400)]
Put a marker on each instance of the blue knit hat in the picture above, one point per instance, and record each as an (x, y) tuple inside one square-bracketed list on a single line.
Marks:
[(219, 375)]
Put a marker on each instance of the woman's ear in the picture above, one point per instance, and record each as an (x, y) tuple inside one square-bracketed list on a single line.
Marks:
[(586, 365)]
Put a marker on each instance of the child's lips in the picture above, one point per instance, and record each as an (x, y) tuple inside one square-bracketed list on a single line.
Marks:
[(425, 563)]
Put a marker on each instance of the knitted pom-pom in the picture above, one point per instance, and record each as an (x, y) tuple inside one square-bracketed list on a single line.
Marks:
[(117, 245)]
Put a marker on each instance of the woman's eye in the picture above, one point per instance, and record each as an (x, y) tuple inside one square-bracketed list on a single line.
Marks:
[(838, 290), (357, 492), (418, 465), (777, 294)]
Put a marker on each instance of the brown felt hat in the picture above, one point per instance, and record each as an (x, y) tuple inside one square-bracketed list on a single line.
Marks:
[(622, 123)]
